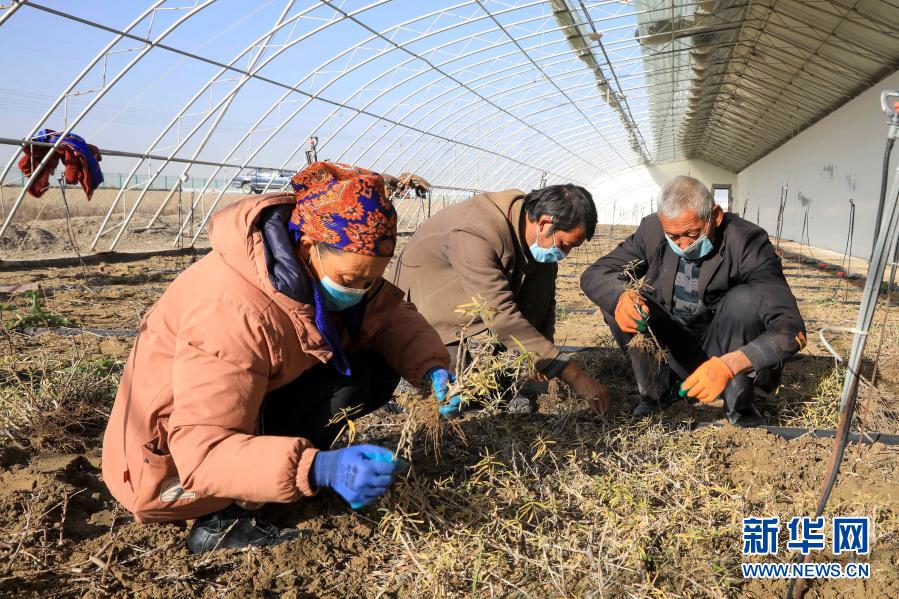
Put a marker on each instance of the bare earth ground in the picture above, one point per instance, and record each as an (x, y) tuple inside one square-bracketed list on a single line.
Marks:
[(554, 504)]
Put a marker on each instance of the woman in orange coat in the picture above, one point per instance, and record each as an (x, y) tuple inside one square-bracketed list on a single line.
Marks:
[(240, 366)]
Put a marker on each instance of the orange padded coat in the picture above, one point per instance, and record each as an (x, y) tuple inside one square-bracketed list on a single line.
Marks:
[(181, 438)]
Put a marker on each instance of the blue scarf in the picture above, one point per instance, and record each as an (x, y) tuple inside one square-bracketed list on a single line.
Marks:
[(293, 280), (328, 330)]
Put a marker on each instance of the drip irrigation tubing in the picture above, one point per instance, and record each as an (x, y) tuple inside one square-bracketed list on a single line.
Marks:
[(99, 257), (788, 433)]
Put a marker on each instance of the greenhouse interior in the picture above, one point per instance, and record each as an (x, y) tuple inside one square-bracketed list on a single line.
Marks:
[(600, 302)]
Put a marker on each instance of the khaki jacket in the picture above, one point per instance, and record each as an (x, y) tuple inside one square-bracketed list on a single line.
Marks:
[(475, 248), (181, 438)]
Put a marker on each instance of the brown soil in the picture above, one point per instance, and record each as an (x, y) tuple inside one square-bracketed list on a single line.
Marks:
[(53, 238), (563, 506)]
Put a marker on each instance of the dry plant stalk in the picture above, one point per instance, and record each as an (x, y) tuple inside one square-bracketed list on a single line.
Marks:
[(485, 380), (647, 342), (421, 415), (349, 425), (490, 375)]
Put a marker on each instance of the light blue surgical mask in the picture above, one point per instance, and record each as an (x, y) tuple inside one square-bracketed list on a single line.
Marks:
[(338, 297), (697, 250), (550, 254)]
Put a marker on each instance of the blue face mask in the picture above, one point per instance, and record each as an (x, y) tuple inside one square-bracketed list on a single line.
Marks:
[(336, 296), (550, 254), (697, 250)]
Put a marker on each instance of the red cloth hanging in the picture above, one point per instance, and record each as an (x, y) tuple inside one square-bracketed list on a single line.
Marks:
[(76, 163)]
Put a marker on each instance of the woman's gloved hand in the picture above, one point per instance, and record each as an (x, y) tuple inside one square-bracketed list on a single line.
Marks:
[(359, 473), (440, 380)]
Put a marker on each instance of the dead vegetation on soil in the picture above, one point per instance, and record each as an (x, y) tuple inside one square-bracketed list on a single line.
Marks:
[(552, 504), (57, 403)]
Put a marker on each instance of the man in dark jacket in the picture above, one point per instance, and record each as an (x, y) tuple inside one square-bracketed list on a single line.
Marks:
[(716, 300)]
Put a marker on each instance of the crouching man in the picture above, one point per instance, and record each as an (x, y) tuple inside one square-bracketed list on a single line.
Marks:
[(229, 397), (716, 299), (502, 247)]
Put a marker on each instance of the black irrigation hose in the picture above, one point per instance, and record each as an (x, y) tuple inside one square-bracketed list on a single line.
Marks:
[(785, 432), (841, 438), (883, 190), (794, 432)]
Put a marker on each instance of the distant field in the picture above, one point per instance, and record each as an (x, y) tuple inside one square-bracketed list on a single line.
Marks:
[(50, 205)]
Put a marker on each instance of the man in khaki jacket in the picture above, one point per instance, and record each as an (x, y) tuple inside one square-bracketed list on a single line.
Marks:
[(502, 247)]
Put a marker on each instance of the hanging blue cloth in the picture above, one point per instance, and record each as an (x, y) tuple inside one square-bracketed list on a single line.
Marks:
[(81, 148)]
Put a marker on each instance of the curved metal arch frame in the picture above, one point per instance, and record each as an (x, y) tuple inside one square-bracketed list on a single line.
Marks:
[(175, 119), (539, 68), (426, 61), (314, 72), (448, 126), (566, 53), (405, 99), (511, 9), (447, 102), (415, 56), (289, 119), (549, 167), (562, 136), (91, 64), (464, 112), (552, 163), (565, 135), (221, 109), (504, 91), (410, 78)]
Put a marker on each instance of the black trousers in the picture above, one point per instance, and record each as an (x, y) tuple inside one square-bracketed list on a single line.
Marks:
[(305, 406), (735, 323)]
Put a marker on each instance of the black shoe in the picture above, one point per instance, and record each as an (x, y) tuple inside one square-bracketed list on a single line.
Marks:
[(233, 528), (747, 418), (768, 380), (647, 407)]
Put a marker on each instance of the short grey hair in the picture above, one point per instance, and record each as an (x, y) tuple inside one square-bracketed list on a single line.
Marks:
[(685, 192)]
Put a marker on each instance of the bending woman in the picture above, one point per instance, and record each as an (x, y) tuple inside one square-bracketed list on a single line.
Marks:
[(228, 395)]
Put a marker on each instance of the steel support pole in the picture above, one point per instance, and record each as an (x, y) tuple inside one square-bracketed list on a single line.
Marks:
[(883, 248)]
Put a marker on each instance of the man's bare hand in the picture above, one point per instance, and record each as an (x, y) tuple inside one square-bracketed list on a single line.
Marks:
[(596, 394)]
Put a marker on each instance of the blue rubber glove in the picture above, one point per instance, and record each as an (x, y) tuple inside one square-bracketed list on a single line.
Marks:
[(452, 407), (359, 473), (440, 379)]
